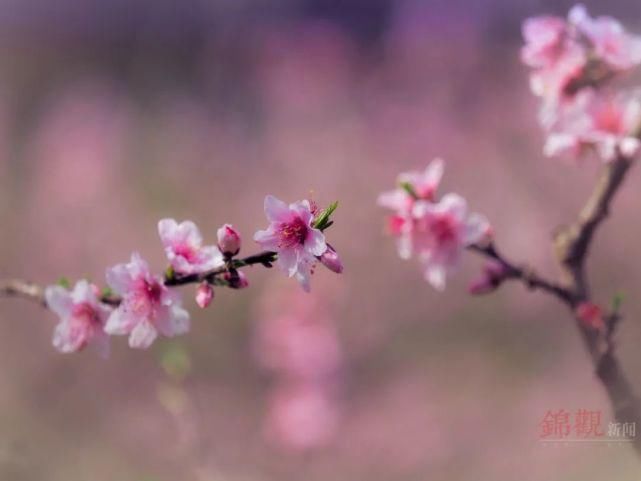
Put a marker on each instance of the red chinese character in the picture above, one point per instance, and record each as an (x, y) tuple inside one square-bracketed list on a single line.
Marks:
[(555, 424), (587, 424)]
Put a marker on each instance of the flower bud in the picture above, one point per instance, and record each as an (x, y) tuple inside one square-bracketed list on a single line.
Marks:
[(494, 273), (236, 279), (228, 240), (204, 294), (330, 259), (591, 315)]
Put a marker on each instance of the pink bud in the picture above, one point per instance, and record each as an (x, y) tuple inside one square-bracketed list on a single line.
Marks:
[(204, 294), (236, 280), (228, 240), (330, 259), (494, 273), (590, 314)]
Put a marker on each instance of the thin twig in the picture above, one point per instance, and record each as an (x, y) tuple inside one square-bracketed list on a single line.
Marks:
[(34, 292), (524, 274), (19, 288)]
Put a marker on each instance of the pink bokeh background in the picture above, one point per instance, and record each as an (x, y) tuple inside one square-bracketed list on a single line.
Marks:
[(115, 114)]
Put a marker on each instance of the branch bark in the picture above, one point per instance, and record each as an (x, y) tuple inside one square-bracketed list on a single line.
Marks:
[(572, 245), (34, 292), (23, 289)]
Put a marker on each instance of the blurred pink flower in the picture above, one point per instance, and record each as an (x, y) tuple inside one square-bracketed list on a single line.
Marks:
[(301, 416), (609, 123), (423, 186), (302, 347), (82, 318), (441, 231), (569, 56), (545, 39), (553, 83), (229, 240), (148, 306), (291, 235), (204, 294), (607, 38), (184, 249)]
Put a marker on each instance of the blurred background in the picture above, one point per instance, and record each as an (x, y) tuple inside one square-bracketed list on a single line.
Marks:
[(116, 113)]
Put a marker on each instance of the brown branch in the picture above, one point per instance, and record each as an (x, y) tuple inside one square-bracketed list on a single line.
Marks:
[(265, 258), (18, 288), (573, 243), (34, 292), (524, 274), (572, 246)]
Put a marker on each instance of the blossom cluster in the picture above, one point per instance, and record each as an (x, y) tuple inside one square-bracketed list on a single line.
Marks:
[(144, 305), (574, 62), (434, 230)]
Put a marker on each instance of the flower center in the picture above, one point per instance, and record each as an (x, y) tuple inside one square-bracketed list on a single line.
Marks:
[(185, 250), (444, 230), (85, 314), (292, 233), (154, 291)]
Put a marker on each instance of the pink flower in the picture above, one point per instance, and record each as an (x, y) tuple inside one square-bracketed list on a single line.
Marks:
[(441, 232), (148, 307), (545, 40), (82, 318), (570, 56), (228, 240), (184, 249), (291, 235), (608, 39), (608, 123), (424, 185), (204, 294), (553, 84)]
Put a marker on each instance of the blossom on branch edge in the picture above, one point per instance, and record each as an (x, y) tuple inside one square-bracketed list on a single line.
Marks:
[(295, 235), (412, 187), (184, 249), (142, 305), (604, 122), (569, 57), (148, 307), (435, 231), (82, 318)]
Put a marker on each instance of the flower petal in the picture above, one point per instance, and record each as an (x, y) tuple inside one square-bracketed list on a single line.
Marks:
[(143, 335), (276, 210), (315, 242), (476, 227), (58, 300)]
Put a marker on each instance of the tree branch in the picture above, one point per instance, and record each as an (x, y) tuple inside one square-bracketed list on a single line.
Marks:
[(524, 274), (34, 292), (18, 288), (572, 246)]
